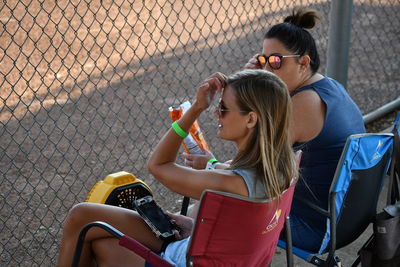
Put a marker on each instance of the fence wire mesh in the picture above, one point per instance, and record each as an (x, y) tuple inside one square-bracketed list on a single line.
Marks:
[(86, 86)]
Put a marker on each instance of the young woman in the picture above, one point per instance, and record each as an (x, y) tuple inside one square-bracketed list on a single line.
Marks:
[(254, 112), (323, 117)]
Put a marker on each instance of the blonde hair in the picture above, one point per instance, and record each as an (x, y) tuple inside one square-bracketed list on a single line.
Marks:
[(269, 150)]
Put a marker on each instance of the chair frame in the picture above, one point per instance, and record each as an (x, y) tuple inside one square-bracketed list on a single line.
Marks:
[(124, 241)]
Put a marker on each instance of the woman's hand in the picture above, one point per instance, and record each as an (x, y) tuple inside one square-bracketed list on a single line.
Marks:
[(207, 90), (185, 223), (253, 63), (197, 161)]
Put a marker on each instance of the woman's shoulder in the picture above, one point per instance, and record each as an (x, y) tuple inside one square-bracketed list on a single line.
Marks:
[(308, 115), (327, 87), (228, 180), (307, 102), (255, 187), (315, 81), (310, 92), (249, 172), (250, 175)]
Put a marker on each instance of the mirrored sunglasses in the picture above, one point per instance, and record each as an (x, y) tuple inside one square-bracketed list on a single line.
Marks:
[(274, 60)]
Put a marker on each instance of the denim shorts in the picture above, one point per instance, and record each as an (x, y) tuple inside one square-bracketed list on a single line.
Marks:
[(174, 252)]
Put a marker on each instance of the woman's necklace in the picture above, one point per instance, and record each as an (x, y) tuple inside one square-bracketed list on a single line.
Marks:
[(305, 81)]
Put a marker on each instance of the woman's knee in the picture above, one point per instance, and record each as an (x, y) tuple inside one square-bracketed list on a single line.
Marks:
[(77, 216)]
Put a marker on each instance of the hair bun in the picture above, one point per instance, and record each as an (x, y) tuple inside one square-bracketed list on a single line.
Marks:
[(303, 18)]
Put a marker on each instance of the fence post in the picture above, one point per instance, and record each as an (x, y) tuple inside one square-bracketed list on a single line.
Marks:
[(339, 40)]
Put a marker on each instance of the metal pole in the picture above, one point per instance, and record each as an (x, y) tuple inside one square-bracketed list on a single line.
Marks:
[(339, 40), (382, 111)]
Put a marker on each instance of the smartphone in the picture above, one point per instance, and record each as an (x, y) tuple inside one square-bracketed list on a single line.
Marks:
[(154, 216)]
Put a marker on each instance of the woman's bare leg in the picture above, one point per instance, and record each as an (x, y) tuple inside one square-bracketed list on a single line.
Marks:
[(127, 221), (109, 254)]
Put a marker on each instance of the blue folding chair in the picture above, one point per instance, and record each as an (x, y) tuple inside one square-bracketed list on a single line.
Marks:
[(353, 195)]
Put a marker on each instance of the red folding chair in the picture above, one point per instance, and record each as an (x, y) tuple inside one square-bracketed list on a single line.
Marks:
[(229, 230), (232, 230)]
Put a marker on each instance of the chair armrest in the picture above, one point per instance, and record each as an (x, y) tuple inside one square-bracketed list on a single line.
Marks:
[(124, 241), (313, 206)]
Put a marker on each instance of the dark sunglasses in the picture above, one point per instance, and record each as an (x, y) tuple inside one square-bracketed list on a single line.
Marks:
[(221, 110), (274, 60)]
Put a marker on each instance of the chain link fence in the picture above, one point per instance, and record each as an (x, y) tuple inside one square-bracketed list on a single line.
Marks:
[(85, 87)]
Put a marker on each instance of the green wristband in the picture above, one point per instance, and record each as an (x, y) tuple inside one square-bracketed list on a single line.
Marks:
[(211, 161), (211, 164), (178, 130)]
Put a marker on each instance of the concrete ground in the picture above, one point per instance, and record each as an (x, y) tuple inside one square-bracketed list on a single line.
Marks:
[(347, 254)]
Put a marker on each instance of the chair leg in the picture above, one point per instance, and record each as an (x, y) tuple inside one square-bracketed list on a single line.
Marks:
[(289, 246), (333, 261), (367, 246), (185, 205)]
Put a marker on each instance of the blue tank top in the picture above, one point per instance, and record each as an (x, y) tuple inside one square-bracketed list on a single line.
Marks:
[(321, 154)]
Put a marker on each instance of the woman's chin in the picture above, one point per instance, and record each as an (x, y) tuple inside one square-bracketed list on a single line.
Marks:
[(220, 132)]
